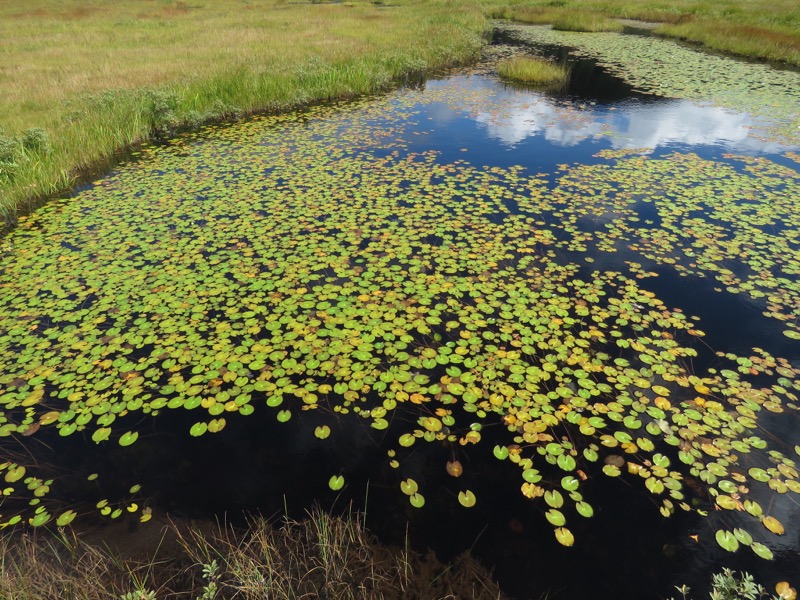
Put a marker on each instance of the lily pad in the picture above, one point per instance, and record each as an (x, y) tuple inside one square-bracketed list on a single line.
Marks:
[(128, 438), (727, 540), (564, 536), (466, 498)]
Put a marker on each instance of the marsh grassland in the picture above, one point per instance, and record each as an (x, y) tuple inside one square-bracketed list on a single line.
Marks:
[(82, 79), (753, 29), (96, 77)]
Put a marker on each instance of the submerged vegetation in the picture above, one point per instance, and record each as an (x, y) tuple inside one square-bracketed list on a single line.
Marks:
[(533, 70)]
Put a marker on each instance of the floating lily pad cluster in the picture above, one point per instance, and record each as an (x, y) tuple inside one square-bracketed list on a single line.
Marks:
[(662, 67), (310, 262)]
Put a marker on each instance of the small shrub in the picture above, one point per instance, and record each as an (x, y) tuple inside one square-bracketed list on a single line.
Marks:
[(161, 107), (9, 147), (728, 585), (36, 140), (533, 71)]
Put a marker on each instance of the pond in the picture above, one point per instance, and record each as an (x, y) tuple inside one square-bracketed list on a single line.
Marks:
[(557, 329)]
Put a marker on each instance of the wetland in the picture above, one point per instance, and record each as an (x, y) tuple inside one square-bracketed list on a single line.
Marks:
[(556, 328)]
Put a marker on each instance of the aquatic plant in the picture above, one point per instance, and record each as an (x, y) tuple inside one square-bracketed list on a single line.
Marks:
[(533, 70), (435, 301), (661, 67), (730, 585)]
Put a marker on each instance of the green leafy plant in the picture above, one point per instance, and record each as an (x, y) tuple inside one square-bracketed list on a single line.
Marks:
[(36, 140), (730, 585), (211, 576)]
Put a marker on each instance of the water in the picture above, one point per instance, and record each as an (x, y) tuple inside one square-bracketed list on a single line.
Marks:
[(465, 121)]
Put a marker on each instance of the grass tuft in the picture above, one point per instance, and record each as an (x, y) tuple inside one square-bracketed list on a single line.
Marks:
[(533, 71), (586, 22), (739, 39), (322, 556), (329, 557)]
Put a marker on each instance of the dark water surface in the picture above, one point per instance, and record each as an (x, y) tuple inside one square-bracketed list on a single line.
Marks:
[(627, 550)]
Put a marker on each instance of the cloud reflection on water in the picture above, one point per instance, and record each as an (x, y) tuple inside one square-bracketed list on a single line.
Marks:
[(633, 124)]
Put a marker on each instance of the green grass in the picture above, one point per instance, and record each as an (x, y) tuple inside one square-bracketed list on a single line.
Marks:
[(321, 556), (775, 43), (533, 71), (586, 22), (97, 77), (759, 29), (94, 76)]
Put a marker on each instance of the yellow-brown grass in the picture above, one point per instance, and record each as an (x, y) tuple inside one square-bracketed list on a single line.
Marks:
[(322, 556), (96, 76), (77, 68), (759, 29)]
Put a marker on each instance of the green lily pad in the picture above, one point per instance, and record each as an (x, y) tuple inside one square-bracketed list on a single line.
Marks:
[(554, 499), (762, 551), (466, 498), (564, 536), (501, 452), (417, 500), (409, 487), (727, 540), (198, 429), (584, 509), (40, 519), (101, 435), (66, 518), (128, 438), (555, 517)]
